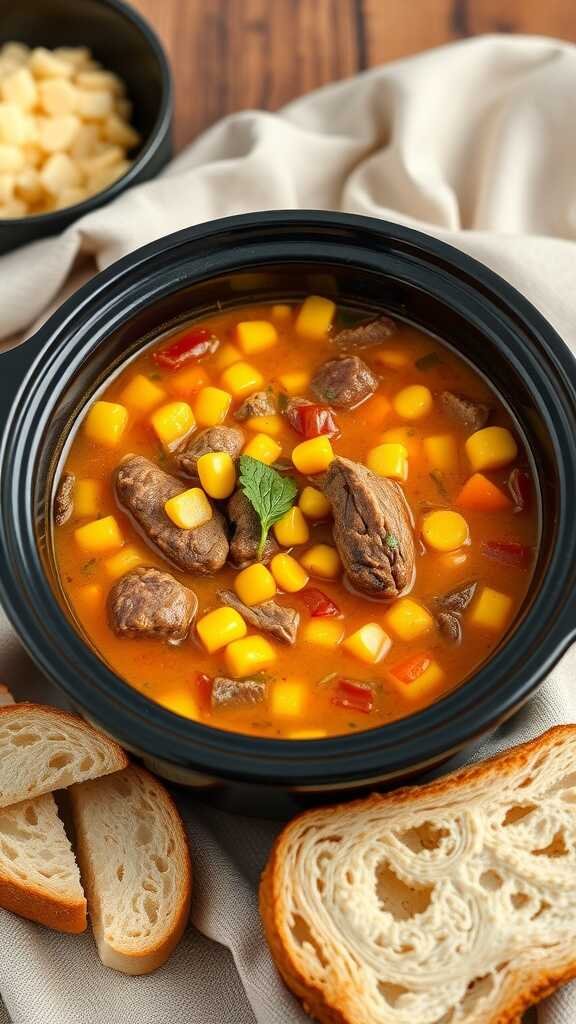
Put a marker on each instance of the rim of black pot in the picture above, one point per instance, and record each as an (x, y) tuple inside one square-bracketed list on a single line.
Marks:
[(487, 698)]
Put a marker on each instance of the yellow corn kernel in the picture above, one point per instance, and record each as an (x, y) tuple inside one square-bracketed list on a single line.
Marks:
[(393, 358), (314, 504), (220, 627), (127, 558), (242, 379), (322, 560), (271, 425), (292, 528), (255, 336), (491, 448), (369, 643), (100, 536), (313, 456), (190, 509), (306, 734), (413, 402), (142, 394), (188, 381), (281, 313), (390, 460), (90, 598), (407, 620), (250, 655), (288, 698), (181, 702), (226, 356), (88, 498), (172, 421), (445, 530), (217, 474), (255, 584), (421, 687), (288, 573), (441, 452), (403, 435), (211, 406), (295, 383), (491, 609), (322, 632), (315, 317), (105, 423), (263, 448)]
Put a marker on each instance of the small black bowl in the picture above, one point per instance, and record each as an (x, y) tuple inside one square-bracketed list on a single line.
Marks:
[(46, 384), (123, 42)]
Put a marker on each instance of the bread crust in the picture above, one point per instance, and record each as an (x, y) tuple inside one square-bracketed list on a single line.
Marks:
[(530, 990), (29, 901)]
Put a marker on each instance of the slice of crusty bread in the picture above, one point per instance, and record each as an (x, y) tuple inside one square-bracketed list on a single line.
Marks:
[(39, 877), (43, 749), (453, 903), (135, 866)]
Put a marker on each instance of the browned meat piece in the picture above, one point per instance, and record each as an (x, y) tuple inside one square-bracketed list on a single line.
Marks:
[(237, 692), (150, 603), (142, 489), (372, 529), (261, 403), (214, 439), (371, 332), (459, 599), (449, 626), (269, 616), (64, 499), (246, 536), (473, 415), (344, 382)]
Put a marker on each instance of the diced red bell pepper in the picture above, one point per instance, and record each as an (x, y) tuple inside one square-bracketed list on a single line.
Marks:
[(318, 604), (520, 487), (192, 345), (353, 695), (508, 552), (412, 668), (204, 690), (311, 420)]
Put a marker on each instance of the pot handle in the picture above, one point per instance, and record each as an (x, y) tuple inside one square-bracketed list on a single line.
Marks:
[(14, 366)]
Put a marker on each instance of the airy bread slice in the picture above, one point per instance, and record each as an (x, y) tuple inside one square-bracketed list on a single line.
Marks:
[(43, 749), (453, 903), (39, 877), (135, 866)]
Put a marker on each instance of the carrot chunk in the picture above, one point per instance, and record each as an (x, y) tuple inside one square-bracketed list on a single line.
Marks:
[(481, 494)]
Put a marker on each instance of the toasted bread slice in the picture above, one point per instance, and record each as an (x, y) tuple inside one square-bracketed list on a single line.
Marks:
[(453, 903), (135, 865), (43, 749)]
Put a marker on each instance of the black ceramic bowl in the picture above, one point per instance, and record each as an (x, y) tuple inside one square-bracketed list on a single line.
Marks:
[(46, 384), (123, 42)]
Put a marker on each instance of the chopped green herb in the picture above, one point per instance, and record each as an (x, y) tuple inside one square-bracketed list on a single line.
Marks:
[(270, 494), (428, 362), (436, 476), (89, 566), (391, 541)]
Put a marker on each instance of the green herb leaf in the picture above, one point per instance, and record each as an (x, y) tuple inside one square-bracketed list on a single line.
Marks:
[(391, 541), (428, 362), (270, 494)]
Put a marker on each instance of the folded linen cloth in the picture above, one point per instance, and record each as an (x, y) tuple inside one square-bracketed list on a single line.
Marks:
[(475, 143)]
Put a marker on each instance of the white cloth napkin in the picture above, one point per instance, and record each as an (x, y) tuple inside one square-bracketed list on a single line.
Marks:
[(475, 143)]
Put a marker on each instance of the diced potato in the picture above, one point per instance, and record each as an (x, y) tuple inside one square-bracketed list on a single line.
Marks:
[(105, 158), (100, 536), (322, 632), (211, 406), (106, 177), (45, 64), (93, 105), (255, 336), (76, 56), (59, 173), (181, 702), (15, 53), (116, 130), (288, 698), (20, 88), (188, 381), (106, 423), (56, 134), (445, 530), (88, 498), (100, 81), (403, 435), (217, 474), (313, 456), (242, 379), (190, 509), (127, 558), (315, 317), (255, 584), (322, 560), (369, 643), (295, 383), (29, 185), (393, 358), (407, 620), (11, 159), (226, 356), (172, 421), (86, 142), (271, 425), (288, 573), (491, 610), (314, 504), (33, 155), (263, 448), (424, 686), (15, 125), (250, 655), (413, 402), (389, 460), (90, 598), (441, 452), (7, 185), (221, 627), (281, 313), (142, 394), (491, 448), (57, 96), (69, 197), (14, 208), (292, 528)]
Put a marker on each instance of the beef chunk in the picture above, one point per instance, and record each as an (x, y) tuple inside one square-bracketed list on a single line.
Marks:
[(64, 499), (142, 489), (473, 415), (237, 692), (372, 529), (246, 536), (457, 600), (261, 403), (449, 626), (149, 603), (371, 332), (269, 616), (344, 382), (214, 439)]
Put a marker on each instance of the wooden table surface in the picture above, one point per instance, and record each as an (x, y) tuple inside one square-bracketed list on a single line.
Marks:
[(231, 54)]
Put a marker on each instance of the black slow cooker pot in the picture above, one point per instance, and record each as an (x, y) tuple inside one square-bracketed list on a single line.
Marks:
[(46, 383)]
